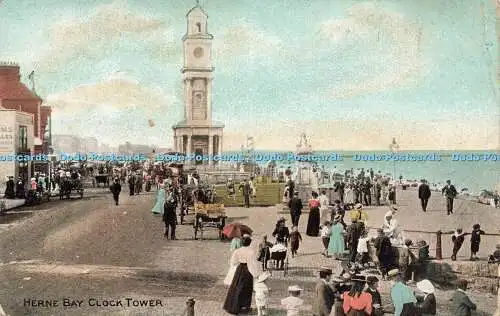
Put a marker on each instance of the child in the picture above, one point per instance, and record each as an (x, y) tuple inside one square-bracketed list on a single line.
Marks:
[(325, 237), (295, 239), (261, 293), (292, 303), (363, 248), (406, 258), (495, 257), (475, 241), (458, 239), (264, 253)]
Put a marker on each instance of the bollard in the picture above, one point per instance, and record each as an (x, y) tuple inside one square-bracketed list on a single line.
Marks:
[(190, 306), (439, 253)]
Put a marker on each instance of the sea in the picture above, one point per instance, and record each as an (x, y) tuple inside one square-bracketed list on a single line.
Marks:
[(471, 170)]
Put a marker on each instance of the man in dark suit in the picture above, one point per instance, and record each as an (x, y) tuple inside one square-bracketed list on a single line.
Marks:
[(450, 193), (462, 304), (295, 205), (116, 188), (324, 294), (131, 183), (169, 213), (246, 188), (424, 193)]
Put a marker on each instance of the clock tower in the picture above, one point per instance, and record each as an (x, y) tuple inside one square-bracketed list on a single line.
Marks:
[(197, 134)]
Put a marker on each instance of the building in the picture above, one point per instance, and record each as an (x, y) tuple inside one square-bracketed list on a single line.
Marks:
[(66, 144), (197, 133), (89, 145), (14, 95), (129, 148), (16, 140)]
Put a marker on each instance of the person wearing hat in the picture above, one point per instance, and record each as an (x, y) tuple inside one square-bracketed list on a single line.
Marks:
[(160, 200), (246, 189), (231, 190), (384, 252), (295, 206), (372, 289), (293, 303), (261, 293), (131, 183), (402, 296), (391, 195), (356, 301), (426, 306), (246, 268), (20, 191), (9, 190), (450, 193), (391, 229), (336, 244), (169, 213), (497, 312), (424, 194), (354, 232), (115, 189), (462, 304), (324, 294), (281, 232)]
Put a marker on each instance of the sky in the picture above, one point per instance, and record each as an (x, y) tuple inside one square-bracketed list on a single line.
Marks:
[(350, 74)]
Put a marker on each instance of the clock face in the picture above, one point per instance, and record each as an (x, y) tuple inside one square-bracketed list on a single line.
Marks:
[(198, 52)]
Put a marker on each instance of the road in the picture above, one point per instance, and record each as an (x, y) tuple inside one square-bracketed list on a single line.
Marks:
[(90, 249)]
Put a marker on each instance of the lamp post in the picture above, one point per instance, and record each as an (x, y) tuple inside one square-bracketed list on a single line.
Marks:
[(394, 148)]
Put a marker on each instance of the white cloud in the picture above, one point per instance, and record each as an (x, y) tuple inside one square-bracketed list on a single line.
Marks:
[(370, 135), (380, 39), (115, 109), (74, 36), (245, 39)]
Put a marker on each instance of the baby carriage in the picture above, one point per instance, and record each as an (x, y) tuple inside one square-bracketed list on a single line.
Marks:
[(278, 258)]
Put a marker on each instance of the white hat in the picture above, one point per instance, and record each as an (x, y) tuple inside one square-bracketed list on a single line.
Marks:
[(263, 276), (393, 272), (358, 206), (294, 288), (426, 286), (393, 208), (388, 214)]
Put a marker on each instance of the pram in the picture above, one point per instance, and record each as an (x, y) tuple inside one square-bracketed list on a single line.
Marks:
[(278, 258)]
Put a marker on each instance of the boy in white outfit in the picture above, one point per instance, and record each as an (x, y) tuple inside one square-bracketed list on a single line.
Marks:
[(261, 293), (293, 304)]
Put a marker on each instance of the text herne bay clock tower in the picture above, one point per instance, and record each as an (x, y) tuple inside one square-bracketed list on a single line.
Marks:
[(197, 134)]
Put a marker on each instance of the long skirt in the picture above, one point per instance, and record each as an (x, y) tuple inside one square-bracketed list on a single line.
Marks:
[(313, 222), (240, 292)]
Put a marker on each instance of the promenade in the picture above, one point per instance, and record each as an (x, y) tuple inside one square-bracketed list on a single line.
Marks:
[(91, 248)]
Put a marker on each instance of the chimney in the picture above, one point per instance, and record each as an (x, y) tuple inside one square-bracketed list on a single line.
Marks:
[(9, 71)]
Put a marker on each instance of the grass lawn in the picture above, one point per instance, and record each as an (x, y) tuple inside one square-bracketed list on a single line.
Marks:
[(267, 195)]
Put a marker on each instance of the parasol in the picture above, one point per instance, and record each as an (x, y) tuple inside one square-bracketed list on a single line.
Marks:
[(236, 230)]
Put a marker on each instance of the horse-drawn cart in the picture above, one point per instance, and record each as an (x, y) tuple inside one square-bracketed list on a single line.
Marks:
[(209, 216), (70, 186)]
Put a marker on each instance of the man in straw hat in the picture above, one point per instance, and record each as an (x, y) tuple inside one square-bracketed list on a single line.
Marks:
[(402, 296), (324, 294), (293, 303)]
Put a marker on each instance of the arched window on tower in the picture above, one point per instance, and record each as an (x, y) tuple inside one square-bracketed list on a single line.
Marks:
[(198, 27)]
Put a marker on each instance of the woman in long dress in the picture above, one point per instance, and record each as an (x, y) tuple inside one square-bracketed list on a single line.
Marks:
[(314, 216), (160, 200), (336, 246), (349, 196), (324, 202), (239, 295), (391, 229)]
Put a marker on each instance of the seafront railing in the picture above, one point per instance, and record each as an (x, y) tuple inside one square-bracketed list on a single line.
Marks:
[(433, 239)]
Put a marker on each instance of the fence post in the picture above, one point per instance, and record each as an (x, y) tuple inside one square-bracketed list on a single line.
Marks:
[(190, 306), (439, 252)]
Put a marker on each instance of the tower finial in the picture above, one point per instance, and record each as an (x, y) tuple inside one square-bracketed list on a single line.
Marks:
[(197, 3)]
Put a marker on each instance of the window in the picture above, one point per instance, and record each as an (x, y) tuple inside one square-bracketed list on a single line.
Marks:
[(23, 138), (198, 27)]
